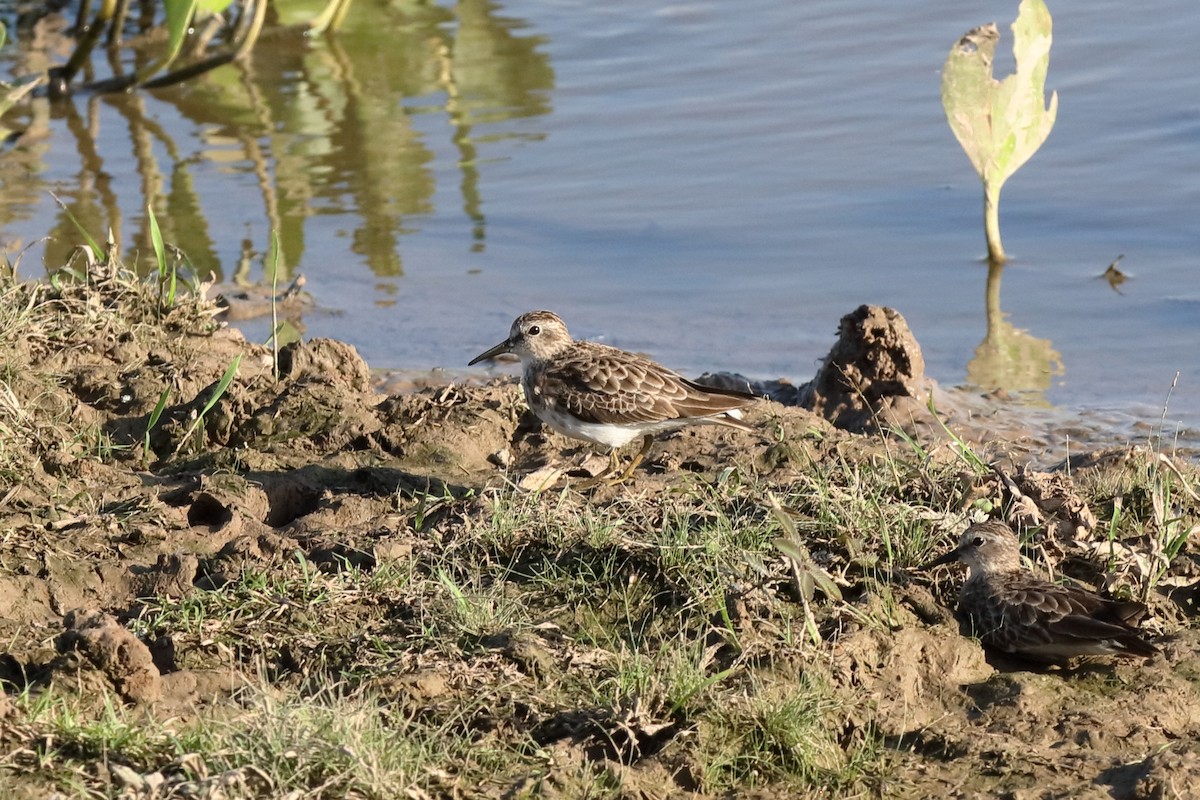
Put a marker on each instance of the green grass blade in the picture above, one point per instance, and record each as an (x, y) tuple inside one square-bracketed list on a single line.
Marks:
[(222, 386), (160, 256), (96, 249), (155, 415)]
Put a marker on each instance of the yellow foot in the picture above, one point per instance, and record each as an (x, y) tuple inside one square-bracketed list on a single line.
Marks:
[(602, 478), (599, 477)]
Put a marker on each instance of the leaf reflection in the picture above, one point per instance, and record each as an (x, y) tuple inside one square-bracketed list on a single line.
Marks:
[(1009, 359), (300, 128)]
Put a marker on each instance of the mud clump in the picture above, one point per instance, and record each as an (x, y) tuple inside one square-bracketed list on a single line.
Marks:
[(325, 361), (119, 655), (452, 430), (873, 376), (323, 397), (1172, 772)]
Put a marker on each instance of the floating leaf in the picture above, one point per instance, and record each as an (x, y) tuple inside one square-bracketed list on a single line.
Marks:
[(1000, 124)]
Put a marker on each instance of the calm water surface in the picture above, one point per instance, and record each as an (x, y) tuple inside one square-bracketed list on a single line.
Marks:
[(715, 183)]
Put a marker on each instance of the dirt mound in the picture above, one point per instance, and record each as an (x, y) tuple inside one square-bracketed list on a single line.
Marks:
[(119, 655), (873, 377)]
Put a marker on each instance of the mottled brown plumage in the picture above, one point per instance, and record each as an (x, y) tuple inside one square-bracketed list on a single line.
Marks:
[(1017, 613), (605, 395)]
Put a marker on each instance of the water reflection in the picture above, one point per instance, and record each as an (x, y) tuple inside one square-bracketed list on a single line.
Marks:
[(327, 125), (1009, 359)]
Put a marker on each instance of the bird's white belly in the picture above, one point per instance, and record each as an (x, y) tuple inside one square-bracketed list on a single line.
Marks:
[(598, 433), (609, 434)]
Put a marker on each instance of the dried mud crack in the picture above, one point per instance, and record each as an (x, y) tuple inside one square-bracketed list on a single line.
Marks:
[(297, 586)]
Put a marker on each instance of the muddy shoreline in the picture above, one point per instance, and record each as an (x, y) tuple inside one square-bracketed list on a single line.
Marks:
[(199, 571)]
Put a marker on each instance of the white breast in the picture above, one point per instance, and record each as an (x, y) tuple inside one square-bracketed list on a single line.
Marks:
[(607, 435)]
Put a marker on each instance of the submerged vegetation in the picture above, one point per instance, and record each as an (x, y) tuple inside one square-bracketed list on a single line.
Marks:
[(335, 594)]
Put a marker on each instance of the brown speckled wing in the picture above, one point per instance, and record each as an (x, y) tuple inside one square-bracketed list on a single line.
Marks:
[(1027, 614), (1048, 602), (601, 384)]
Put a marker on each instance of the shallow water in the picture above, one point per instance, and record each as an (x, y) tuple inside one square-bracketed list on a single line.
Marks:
[(713, 183)]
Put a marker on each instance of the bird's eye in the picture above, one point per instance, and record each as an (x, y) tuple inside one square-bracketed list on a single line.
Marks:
[(977, 541), (534, 330)]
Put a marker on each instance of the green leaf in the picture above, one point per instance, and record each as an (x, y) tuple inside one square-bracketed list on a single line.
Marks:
[(809, 576), (96, 249), (155, 415), (1000, 124), (179, 19), (222, 385), (792, 549), (156, 239), (165, 281), (220, 389), (158, 409), (213, 6)]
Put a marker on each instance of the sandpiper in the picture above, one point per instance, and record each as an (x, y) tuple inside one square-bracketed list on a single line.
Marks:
[(1017, 613), (605, 395)]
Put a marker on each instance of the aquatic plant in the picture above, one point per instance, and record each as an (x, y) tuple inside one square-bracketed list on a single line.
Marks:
[(212, 32), (1000, 124)]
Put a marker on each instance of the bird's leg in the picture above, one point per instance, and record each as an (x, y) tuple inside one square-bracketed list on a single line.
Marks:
[(647, 440), (588, 483), (603, 478)]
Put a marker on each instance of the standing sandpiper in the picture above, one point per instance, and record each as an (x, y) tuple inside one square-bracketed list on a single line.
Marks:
[(608, 396), (1017, 613)]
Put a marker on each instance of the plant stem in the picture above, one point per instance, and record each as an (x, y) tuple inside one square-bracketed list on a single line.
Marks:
[(991, 224)]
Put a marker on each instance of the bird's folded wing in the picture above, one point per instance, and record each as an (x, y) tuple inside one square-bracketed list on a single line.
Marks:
[(606, 390)]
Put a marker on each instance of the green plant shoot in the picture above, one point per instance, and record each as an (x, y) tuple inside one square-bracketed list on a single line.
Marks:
[(1000, 124), (92, 244), (275, 304), (222, 386), (808, 576), (165, 281), (155, 415), (179, 19)]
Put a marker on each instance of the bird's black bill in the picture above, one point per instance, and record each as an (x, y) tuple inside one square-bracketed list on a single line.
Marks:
[(500, 349), (946, 558)]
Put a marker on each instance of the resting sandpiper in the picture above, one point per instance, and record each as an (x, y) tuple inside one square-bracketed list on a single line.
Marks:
[(1017, 613), (608, 396)]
